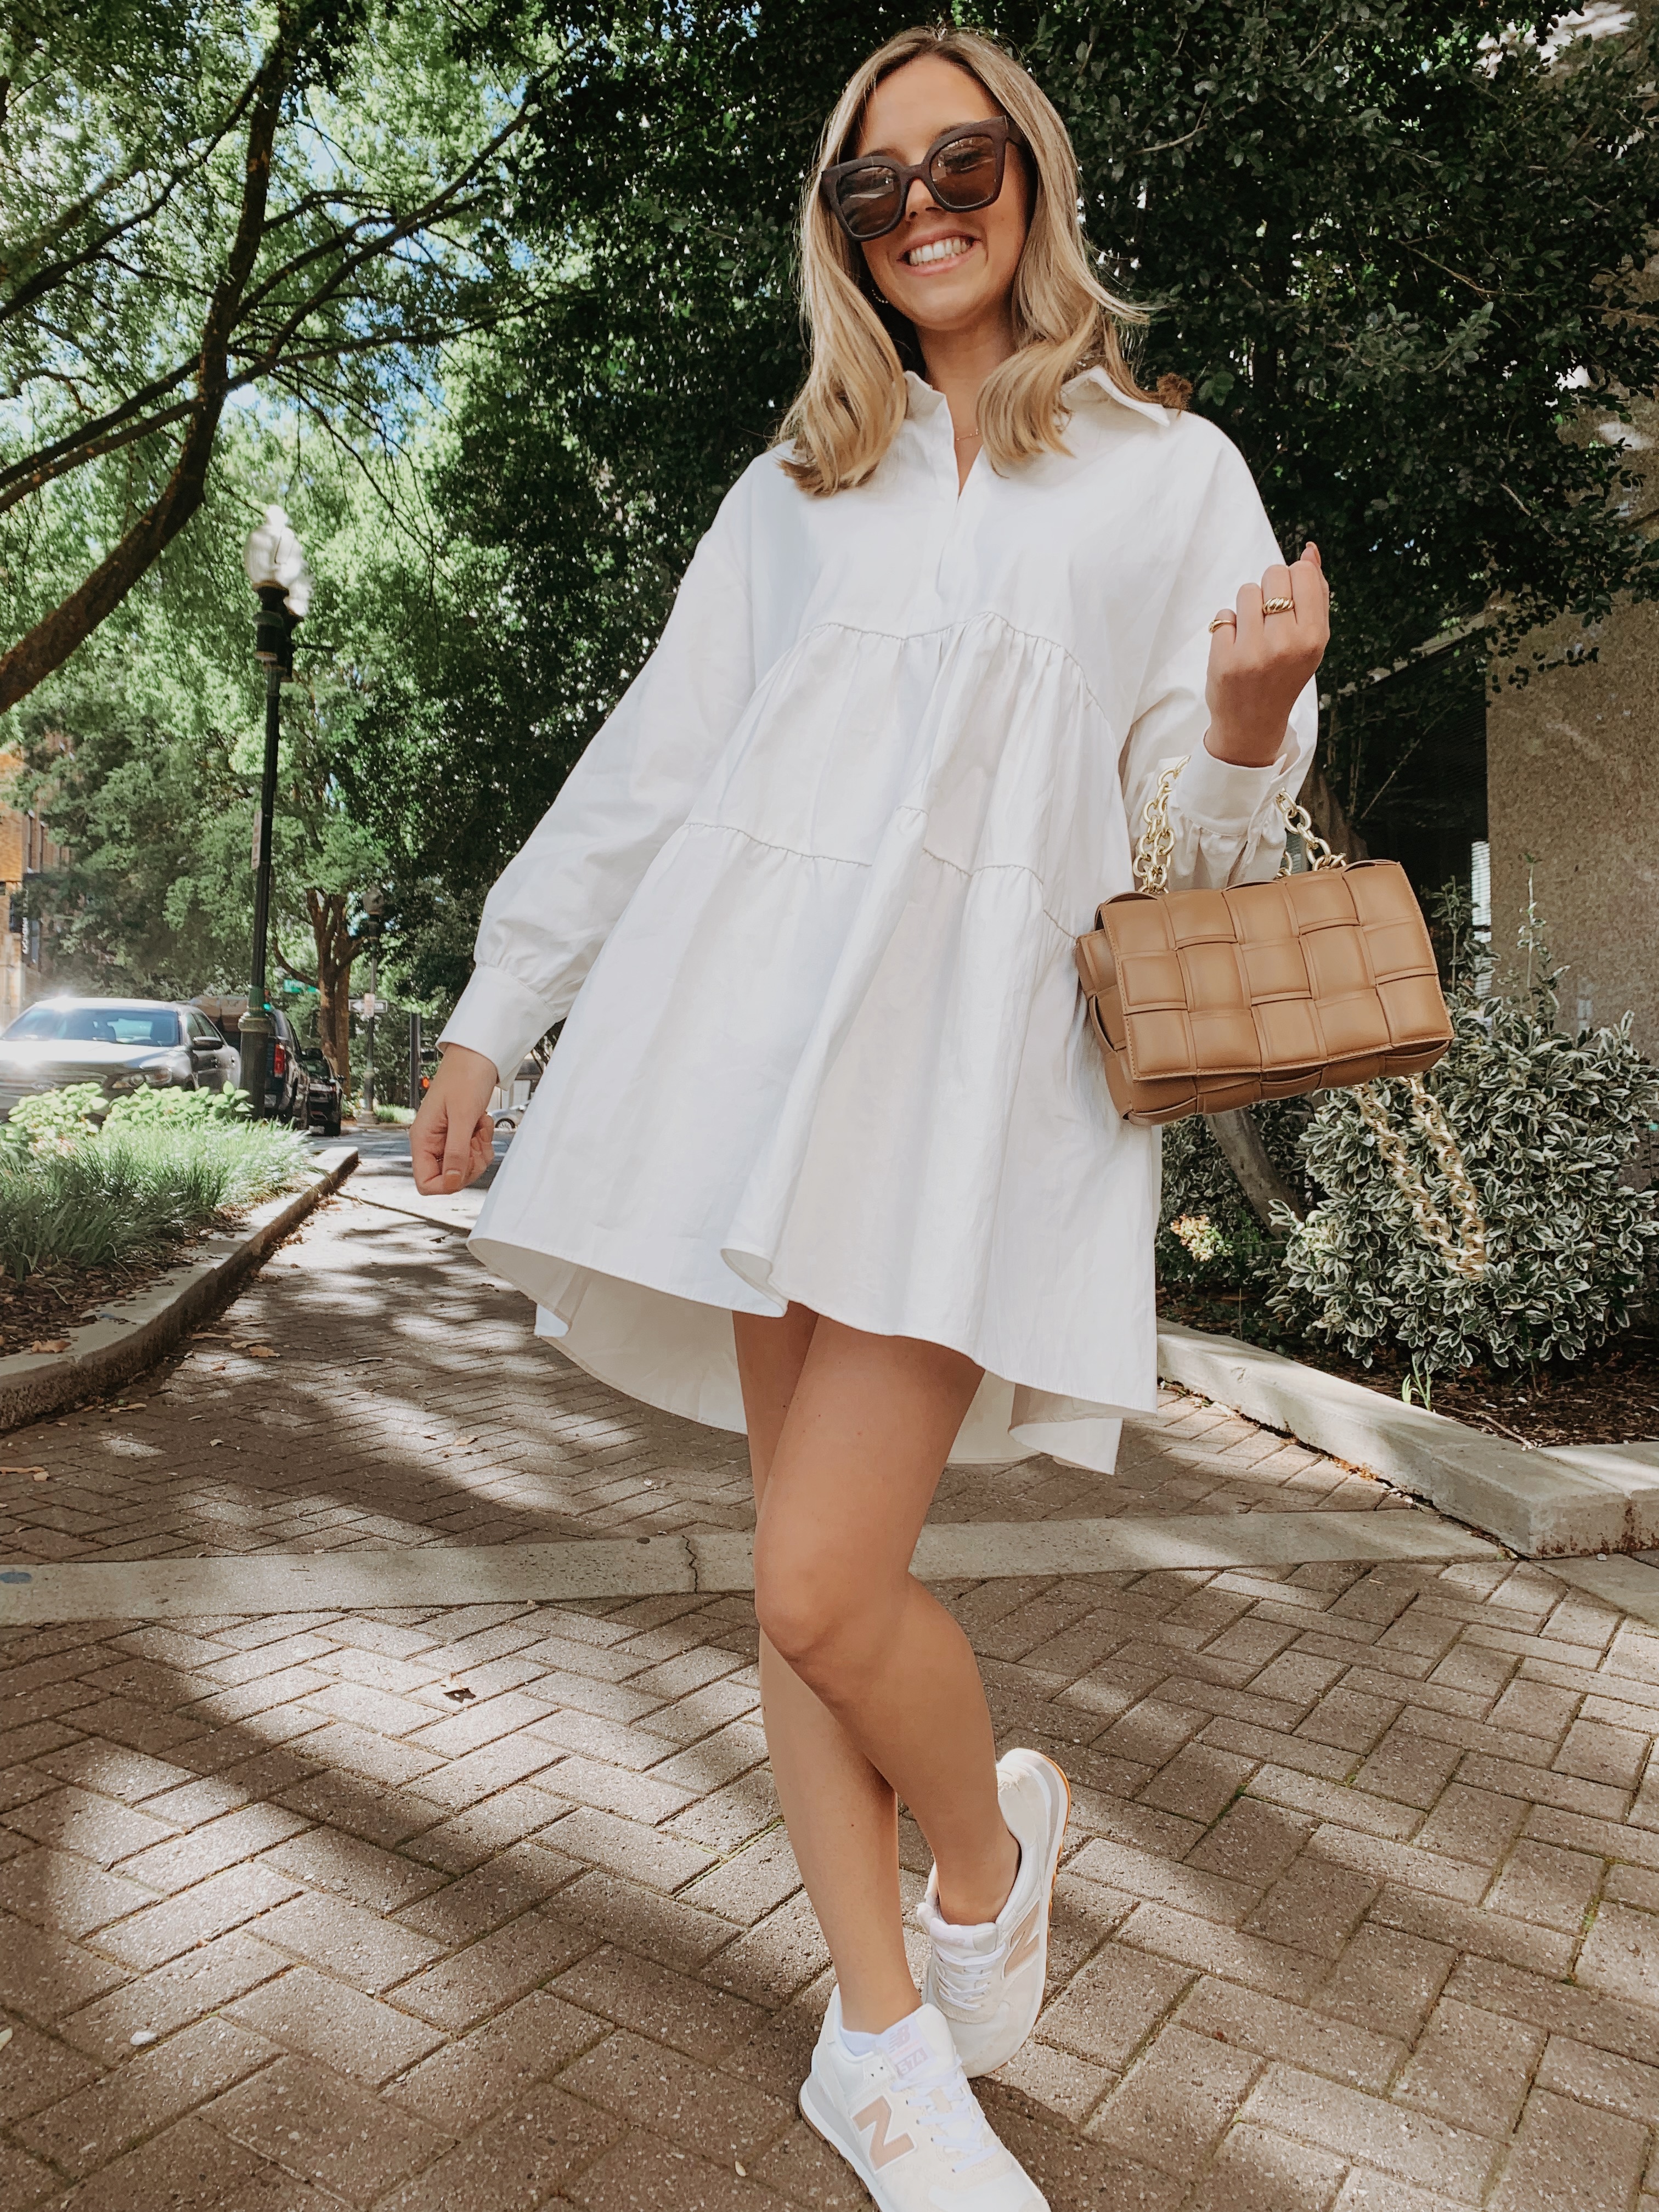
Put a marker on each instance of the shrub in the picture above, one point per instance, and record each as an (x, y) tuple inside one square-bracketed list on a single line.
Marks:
[(1547, 1123), (79, 1197), (176, 1108), (53, 1119), (1208, 1235)]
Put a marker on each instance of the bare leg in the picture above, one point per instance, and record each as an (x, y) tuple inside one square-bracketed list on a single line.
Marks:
[(849, 1434), (842, 1815)]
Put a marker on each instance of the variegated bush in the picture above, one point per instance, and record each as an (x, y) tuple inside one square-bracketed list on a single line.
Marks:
[(1547, 1124)]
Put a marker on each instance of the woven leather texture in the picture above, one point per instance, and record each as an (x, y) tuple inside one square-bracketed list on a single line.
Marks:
[(1207, 1001)]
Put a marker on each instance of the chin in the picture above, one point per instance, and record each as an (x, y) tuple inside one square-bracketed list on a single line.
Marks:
[(945, 315)]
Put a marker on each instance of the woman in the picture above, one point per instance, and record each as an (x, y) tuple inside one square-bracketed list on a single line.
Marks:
[(825, 1153)]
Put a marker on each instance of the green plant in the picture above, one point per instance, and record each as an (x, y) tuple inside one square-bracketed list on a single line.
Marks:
[(1419, 1385), (1547, 1123), (53, 1120), (82, 1197), (1208, 1237), (176, 1108)]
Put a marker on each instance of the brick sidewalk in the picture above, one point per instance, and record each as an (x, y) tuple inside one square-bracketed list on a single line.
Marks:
[(410, 1403), (1360, 1906)]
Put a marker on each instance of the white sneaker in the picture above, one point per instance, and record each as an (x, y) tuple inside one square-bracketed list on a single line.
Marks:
[(905, 2120), (988, 1981)]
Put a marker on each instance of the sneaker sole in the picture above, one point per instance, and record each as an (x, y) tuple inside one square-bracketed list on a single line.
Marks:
[(978, 2070)]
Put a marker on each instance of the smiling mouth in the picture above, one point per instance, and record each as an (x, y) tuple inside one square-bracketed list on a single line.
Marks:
[(937, 251)]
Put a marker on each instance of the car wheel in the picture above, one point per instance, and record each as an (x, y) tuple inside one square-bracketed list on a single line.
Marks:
[(332, 1127)]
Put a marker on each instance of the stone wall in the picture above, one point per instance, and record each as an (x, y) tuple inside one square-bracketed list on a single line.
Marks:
[(1572, 769)]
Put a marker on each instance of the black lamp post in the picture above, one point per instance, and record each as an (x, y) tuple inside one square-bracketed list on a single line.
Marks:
[(276, 567)]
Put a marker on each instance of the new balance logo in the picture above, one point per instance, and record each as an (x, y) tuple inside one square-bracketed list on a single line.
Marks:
[(1023, 1944), (878, 2117)]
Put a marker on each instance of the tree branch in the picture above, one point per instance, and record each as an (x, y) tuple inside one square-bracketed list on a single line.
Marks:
[(50, 643)]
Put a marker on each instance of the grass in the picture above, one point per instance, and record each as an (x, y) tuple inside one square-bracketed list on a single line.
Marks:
[(400, 1115), (134, 1190)]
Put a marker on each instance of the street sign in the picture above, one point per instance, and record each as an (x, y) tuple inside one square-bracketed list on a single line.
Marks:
[(367, 1007)]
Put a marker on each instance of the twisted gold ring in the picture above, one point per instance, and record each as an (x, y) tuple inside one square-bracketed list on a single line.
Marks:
[(1278, 606)]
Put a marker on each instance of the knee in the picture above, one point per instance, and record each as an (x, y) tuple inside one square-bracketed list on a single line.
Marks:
[(828, 1633)]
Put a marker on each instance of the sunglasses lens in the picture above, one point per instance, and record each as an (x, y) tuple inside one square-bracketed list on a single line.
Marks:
[(868, 199), (964, 171)]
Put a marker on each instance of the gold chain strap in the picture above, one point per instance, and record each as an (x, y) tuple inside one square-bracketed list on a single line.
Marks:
[(1299, 820), (1157, 843), (1464, 1253), (1155, 846)]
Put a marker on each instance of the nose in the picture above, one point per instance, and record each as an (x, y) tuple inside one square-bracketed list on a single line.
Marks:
[(920, 200)]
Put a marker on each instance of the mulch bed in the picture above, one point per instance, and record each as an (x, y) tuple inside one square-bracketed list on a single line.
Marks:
[(1608, 1397), (36, 1315)]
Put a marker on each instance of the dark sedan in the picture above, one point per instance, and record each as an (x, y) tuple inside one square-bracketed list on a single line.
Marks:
[(327, 1092), (120, 1044)]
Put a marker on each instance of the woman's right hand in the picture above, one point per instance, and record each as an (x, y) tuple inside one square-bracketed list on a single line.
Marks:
[(453, 1140)]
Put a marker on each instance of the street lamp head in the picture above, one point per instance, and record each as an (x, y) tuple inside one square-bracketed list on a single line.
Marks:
[(275, 564), (274, 556)]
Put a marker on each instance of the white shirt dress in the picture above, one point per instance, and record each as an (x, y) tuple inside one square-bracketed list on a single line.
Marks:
[(807, 905)]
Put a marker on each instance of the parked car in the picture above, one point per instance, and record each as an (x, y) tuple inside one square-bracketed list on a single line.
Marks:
[(327, 1091), (120, 1044), (287, 1083), (507, 1107)]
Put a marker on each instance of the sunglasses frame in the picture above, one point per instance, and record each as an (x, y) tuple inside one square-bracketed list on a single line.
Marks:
[(996, 127)]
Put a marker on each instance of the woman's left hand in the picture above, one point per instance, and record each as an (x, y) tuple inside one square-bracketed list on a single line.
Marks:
[(1260, 662)]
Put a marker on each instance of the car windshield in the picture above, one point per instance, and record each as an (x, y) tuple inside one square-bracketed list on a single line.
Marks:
[(96, 1025), (154, 1026)]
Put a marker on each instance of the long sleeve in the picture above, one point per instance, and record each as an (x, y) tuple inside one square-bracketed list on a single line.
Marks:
[(559, 898), (1226, 820)]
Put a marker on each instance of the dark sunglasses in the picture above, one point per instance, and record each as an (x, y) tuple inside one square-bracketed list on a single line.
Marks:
[(963, 170)]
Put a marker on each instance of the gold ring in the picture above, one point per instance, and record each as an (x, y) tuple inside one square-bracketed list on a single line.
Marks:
[(1224, 617), (1278, 606)]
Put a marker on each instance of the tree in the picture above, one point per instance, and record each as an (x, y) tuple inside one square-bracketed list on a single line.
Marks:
[(199, 199), (149, 745)]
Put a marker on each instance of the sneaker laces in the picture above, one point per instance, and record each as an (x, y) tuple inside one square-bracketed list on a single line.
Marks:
[(942, 2102), (963, 1975)]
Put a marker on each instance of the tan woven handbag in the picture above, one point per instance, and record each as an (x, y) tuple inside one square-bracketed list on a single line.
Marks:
[(1207, 1001)]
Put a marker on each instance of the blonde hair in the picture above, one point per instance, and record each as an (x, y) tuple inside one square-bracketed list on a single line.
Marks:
[(848, 411)]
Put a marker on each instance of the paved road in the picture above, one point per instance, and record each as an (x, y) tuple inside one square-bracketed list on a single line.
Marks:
[(488, 1906)]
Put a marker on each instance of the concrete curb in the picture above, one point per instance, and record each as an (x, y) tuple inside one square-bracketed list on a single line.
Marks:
[(134, 1332), (1545, 1504), (720, 1560)]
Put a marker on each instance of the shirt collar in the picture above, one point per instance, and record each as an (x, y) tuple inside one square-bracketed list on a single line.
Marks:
[(922, 401), (1094, 382)]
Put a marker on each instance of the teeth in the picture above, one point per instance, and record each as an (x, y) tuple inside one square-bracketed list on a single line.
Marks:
[(942, 249)]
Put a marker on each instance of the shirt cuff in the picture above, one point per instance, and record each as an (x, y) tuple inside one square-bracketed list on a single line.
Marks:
[(1222, 795), (499, 1017)]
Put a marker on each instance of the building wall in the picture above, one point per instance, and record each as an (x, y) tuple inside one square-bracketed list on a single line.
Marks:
[(26, 844), (1572, 769)]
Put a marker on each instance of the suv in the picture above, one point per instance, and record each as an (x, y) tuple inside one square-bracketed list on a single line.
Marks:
[(287, 1085), (327, 1092), (120, 1044)]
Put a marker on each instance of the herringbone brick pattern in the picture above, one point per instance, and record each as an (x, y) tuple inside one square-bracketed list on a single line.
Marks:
[(374, 1385), (418, 1912), (492, 1908)]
